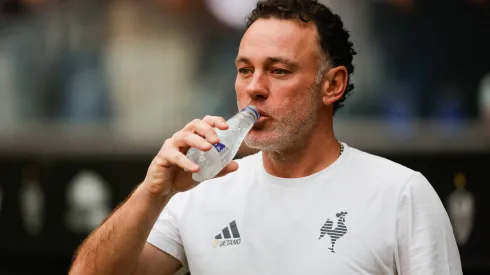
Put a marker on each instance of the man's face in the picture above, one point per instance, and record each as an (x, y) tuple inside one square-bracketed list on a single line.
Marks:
[(277, 67)]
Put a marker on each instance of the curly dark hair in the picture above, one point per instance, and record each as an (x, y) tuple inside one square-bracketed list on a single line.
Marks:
[(333, 37)]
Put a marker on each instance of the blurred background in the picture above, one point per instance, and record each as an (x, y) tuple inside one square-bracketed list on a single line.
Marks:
[(89, 90)]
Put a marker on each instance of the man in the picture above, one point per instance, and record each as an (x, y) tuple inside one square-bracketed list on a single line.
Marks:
[(306, 204)]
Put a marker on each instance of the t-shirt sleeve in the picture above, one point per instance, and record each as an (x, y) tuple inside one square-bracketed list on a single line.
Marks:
[(424, 235), (165, 234)]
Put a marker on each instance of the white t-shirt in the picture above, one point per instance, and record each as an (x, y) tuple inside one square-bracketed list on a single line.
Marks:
[(361, 215)]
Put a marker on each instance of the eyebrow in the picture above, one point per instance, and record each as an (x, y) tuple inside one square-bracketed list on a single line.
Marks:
[(270, 60)]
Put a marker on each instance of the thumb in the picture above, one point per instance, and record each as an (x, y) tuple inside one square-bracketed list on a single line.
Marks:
[(231, 167)]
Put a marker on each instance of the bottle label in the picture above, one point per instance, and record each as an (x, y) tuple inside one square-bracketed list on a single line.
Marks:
[(221, 148)]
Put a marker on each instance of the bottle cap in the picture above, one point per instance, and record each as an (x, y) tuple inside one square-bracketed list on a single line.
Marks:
[(253, 111)]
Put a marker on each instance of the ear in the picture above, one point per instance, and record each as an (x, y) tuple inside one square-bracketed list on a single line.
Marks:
[(334, 86)]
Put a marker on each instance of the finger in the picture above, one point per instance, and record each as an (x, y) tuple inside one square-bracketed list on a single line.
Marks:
[(174, 156), (216, 121), (194, 140), (187, 139), (205, 130), (231, 167), (190, 126)]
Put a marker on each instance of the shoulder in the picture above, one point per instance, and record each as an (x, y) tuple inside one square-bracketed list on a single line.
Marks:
[(379, 169), (391, 179)]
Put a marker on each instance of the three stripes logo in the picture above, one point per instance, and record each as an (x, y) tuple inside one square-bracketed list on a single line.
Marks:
[(335, 233), (225, 238)]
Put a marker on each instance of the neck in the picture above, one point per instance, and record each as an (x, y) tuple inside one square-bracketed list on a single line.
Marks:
[(315, 153)]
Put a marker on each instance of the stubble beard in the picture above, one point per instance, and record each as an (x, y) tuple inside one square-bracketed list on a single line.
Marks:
[(289, 131)]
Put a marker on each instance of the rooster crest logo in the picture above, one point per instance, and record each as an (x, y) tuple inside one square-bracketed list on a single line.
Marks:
[(335, 233)]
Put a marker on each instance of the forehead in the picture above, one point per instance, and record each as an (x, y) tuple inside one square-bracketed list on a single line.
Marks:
[(275, 37)]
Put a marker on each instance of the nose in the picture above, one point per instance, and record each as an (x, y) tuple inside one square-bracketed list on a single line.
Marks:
[(257, 87)]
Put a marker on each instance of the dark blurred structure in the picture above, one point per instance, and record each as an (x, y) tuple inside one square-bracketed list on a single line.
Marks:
[(89, 90), (435, 55)]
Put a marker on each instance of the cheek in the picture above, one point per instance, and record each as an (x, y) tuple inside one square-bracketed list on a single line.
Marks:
[(240, 89), (289, 96), (292, 88)]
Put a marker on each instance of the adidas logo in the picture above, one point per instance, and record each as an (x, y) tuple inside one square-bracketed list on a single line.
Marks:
[(225, 238)]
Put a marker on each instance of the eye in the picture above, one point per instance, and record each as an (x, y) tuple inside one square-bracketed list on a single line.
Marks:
[(280, 72), (244, 71)]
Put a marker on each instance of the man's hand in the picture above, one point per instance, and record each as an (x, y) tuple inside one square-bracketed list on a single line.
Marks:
[(170, 172), (118, 245)]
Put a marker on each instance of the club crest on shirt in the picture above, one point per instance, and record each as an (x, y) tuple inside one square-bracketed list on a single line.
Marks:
[(335, 233)]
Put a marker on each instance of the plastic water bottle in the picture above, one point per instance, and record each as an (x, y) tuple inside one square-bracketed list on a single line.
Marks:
[(214, 160)]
